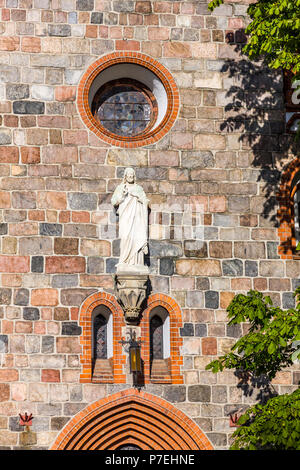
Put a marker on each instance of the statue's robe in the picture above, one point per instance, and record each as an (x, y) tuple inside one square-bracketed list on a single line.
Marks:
[(133, 223)]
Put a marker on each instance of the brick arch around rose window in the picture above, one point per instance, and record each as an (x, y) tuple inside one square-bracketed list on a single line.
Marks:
[(175, 361), (85, 321), (131, 417), (286, 215)]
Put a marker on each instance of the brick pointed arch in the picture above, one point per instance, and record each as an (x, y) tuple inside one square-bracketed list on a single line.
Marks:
[(285, 213), (131, 417), (85, 321), (173, 309)]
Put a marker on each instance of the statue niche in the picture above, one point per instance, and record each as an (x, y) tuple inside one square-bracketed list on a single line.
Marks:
[(132, 274)]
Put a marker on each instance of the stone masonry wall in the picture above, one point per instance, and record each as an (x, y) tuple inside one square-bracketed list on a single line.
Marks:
[(225, 153)]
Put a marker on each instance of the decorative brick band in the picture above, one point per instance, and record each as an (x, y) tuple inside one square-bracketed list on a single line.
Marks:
[(101, 298), (285, 213), (173, 309), (131, 417), (147, 138)]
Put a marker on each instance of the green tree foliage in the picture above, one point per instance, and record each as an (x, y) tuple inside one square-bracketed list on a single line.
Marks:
[(274, 33), (273, 426), (270, 344)]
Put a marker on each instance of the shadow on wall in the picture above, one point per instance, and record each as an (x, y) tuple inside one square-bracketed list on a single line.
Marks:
[(260, 386), (254, 107)]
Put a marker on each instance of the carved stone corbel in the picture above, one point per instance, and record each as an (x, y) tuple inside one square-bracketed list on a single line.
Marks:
[(130, 290)]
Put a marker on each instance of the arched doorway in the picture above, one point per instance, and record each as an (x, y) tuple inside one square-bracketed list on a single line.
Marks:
[(131, 418)]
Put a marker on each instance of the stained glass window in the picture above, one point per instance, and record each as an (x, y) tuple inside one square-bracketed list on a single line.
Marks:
[(125, 107), (156, 338), (100, 337)]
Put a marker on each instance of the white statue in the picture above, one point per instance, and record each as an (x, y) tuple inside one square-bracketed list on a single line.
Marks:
[(132, 206)]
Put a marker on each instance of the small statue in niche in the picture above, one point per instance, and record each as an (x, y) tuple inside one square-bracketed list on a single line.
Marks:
[(132, 204)]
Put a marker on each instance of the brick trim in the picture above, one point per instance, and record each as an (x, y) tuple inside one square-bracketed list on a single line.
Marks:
[(285, 213), (149, 63), (131, 417), (85, 321), (163, 300)]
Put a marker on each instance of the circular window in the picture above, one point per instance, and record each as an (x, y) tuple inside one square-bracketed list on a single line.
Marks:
[(128, 99), (125, 107)]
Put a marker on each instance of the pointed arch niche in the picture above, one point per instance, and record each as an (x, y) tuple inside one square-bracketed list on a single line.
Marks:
[(162, 317), (101, 314), (131, 418)]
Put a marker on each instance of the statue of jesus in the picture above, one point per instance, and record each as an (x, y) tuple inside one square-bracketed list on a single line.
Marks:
[(132, 206)]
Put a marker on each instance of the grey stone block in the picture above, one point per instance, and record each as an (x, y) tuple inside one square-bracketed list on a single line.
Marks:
[(72, 17), (21, 297), (199, 393), (211, 299), (96, 18), (232, 267), (200, 329), (166, 266), (217, 438), (219, 394), (14, 424), (58, 422), (3, 229), (164, 249), (175, 394), (32, 344), (3, 343), (31, 313), (197, 159), (83, 201), (85, 5), (124, 5), (288, 300), (71, 409), (40, 423), (251, 268), (9, 73), (65, 280), (187, 330), (61, 30), (95, 265), (202, 283), (48, 409), (70, 329), (272, 250), (17, 91), (116, 247), (76, 393), (111, 265), (233, 331), (37, 264), (210, 233), (47, 344), (5, 137), (50, 229), (28, 107)]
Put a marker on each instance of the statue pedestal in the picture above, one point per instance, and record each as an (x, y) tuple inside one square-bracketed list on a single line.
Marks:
[(130, 290)]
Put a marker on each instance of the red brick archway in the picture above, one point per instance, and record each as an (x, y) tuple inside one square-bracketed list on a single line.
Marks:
[(131, 417), (176, 360), (85, 321), (285, 213)]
